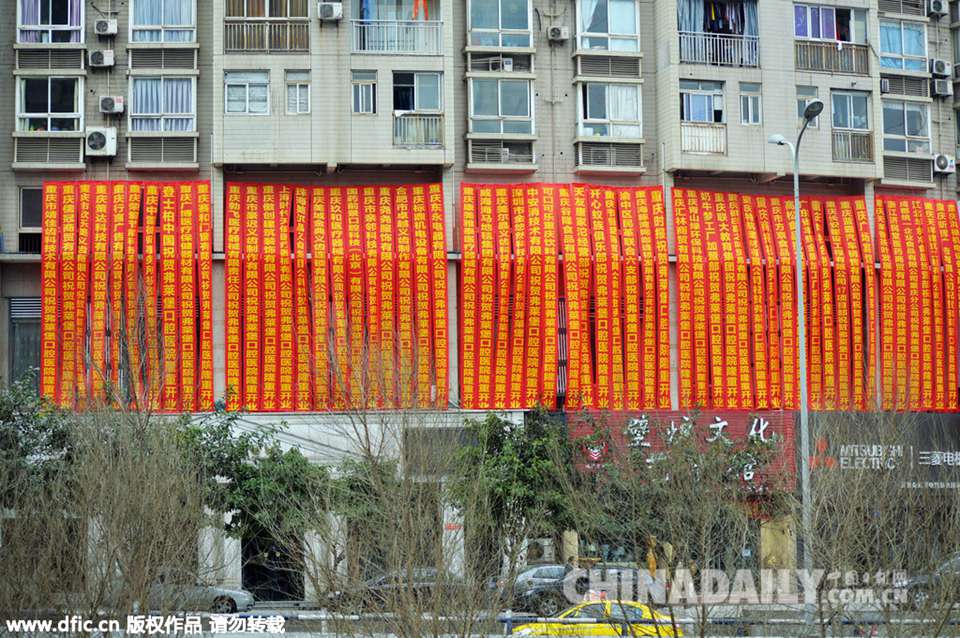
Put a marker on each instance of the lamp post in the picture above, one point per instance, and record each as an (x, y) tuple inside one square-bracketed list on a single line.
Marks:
[(812, 110)]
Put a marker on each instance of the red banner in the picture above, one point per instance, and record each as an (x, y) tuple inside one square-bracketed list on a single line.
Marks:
[(352, 314), (90, 259)]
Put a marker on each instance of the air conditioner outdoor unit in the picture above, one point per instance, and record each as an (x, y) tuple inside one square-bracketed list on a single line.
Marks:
[(105, 26), (884, 85), (940, 68), (558, 34), (944, 164), (506, 64), (101, 142), (504, 155), (111, 104), (937, 8), (102, 58), (941, 88), (541, 550), (330, 11)]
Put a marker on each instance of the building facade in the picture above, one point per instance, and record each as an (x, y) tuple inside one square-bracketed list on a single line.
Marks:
[(673, 93)]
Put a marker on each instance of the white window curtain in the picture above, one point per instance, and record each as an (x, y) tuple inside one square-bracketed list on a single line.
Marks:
[(167, 17), (593, 16), (162, 104), (623, 105)]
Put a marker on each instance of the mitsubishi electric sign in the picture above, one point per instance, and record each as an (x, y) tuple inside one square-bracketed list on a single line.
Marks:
[(923, 448)]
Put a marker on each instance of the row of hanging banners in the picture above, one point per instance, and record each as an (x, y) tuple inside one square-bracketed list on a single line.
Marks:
[(336, 298)]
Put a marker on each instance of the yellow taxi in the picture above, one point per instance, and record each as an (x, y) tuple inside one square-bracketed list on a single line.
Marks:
[(603, 618)]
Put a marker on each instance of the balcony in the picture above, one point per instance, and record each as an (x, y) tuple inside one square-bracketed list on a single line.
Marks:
[(703, 137), (266, 35), (718, 49), (418, 130), (852, 146), (409, 37), (814, 55)]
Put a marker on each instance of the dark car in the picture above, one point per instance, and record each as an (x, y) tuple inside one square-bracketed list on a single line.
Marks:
[(941, 586), (380, 593), (540, 589)]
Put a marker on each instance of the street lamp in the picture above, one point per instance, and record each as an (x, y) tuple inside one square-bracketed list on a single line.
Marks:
[(812, 110)]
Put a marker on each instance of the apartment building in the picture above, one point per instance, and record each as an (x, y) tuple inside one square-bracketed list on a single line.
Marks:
[(363, 92)]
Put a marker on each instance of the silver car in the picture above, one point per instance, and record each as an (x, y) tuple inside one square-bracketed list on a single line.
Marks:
[(178, 590)]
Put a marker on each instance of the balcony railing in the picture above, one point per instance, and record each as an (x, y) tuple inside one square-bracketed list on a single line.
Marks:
[(719, 49), (830, 58), (418, 130), (420, 37), (852, 146), (703, 137), (266, 35)]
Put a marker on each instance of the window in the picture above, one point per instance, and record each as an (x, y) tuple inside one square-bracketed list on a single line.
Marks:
[(42, 21), (906, 126), (610, 110), (596, 611), (850, 110), (266, 8), (31, 208), (49, 104), (609, 25), (903, 45), (750, 103), (500, 106), (418, 92), (247, 92), (701, 101), (24, 336), (829, 23), (298, 92), (162, 104), (162, 21), (500, 23), (805, 95), (365, 92)]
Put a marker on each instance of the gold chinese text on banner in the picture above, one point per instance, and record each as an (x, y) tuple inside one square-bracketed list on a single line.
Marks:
[(142, 342), (335, 297), (917, 242), (737, 319), (602, 309)]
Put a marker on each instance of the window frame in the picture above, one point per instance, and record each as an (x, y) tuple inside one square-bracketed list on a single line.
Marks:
[(164, 115), (855, 36), (609, 35), (500, 30), (266, 12), (12, 326), (20, 226), (299, 84), (246, 84), (815, 122), (906, 137), (849, 96), (583, 106), (22, 115), (416, 93), (500, 118), (752, 115), (364, 84), (713, 94), (51, 28), (902, 57), (162, 28)]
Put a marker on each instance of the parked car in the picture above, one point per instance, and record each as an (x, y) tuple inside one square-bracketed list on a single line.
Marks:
[(182, 591), (547, 589), (603, 618), (942, 585), (422, 583)]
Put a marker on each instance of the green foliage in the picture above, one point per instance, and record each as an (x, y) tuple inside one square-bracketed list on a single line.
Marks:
[(34, 437), (514, 473), (266, 488)]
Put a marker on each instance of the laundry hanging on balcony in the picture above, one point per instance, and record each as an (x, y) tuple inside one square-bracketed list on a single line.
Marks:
[(336, 297), (121, 324), (720, 33)]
